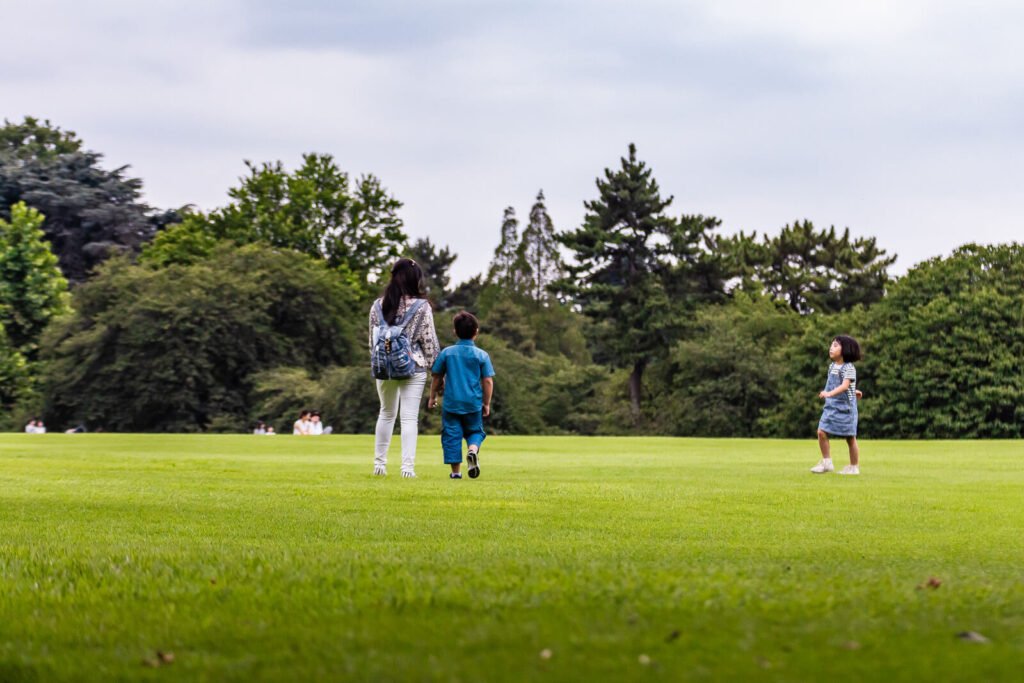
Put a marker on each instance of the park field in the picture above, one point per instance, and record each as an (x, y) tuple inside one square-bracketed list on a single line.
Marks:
[(245, 558)]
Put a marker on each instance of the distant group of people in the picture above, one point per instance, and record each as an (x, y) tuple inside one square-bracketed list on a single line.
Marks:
[(263, 429), (310, 424), (35, 426)]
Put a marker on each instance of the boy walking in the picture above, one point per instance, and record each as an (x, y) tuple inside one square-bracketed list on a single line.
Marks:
[(466, 374)]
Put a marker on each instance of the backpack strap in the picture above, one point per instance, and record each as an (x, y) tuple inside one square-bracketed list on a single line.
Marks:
[(382, 323), (409, 313)]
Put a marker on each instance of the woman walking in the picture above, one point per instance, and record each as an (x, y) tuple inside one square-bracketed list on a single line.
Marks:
[(400, 398)]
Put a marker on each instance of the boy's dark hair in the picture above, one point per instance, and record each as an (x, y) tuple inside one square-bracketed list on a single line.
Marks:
[(466, 325), (851, 349)]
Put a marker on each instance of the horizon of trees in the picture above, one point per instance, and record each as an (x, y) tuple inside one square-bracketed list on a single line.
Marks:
[(639, 320)]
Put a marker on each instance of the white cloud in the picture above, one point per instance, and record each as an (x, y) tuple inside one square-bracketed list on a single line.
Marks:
[(892, 118)]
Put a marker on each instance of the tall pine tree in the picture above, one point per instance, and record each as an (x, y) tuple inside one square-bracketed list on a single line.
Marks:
[(539, 251), (507, 266), (624, 253)]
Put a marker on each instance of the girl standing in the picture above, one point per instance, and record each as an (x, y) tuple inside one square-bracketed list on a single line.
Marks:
[(839, 417)]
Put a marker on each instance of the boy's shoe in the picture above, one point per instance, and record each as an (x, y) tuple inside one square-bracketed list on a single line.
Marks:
[(823, 466), (850, 469), (474, 467), (408, 475), (380, 471), (455, 475)]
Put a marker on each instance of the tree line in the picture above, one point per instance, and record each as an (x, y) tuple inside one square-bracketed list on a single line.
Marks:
[(119, 316)]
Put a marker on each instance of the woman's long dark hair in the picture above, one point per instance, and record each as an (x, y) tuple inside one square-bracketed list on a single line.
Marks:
[(406, 279)]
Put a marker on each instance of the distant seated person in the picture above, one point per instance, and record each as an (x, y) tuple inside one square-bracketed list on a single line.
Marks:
[(303, 426), (80, 429), (260, 429), (270, 431), (317, 425), (35, 426)]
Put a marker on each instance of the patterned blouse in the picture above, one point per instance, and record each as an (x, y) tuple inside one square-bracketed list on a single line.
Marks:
[(420, 331)]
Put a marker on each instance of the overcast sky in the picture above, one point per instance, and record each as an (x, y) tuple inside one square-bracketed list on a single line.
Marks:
[(900, 120)]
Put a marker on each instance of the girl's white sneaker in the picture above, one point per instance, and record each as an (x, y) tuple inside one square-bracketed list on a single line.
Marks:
[(850, 469), (380, 471), (823, 466), (408, 475)]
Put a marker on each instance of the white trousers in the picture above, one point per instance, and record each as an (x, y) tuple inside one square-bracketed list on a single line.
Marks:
[(399, 398)]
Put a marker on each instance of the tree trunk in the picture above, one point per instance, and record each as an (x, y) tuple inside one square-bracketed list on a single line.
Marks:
[(635, 388)]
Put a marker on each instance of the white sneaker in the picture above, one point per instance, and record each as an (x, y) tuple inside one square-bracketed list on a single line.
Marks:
[(408, 475), (823, 466), (380, 471), (850, 469)]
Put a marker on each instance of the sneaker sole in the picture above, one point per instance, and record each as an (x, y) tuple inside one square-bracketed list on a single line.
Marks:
[(474, 468)]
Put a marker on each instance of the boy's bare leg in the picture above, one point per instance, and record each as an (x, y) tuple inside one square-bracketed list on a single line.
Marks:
[(456, 467), (824, 445), (854, 450)]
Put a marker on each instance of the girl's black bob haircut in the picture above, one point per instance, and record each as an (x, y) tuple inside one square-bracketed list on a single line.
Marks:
[(851, 349)]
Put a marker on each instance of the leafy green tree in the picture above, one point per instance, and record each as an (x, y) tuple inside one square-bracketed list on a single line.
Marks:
[(946, 345), (624, 254), (14, 380), (537, 256), (507, 321), (91, 213), (436, 264), (183, 244), (316, 210), (813, 271), (726, 373), (32, 290), (176, 349)]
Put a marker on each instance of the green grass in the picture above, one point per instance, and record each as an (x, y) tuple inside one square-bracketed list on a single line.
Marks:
[(283, 559)]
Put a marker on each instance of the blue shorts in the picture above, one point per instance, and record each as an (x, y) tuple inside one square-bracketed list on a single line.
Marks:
[(456, 427)]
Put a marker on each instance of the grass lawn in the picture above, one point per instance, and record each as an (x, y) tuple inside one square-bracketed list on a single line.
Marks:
[(569, 559)]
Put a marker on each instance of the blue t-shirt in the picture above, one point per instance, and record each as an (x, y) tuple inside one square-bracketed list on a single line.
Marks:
[(463, 366)]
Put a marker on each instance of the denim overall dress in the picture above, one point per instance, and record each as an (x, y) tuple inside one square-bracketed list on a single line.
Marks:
[(839, 418)]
